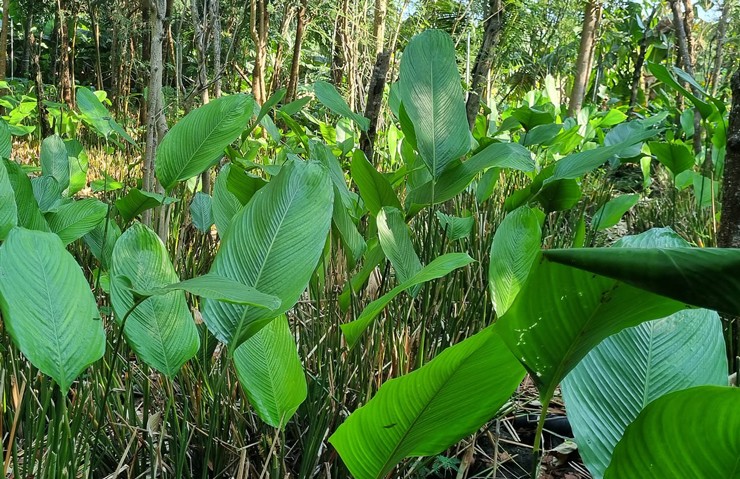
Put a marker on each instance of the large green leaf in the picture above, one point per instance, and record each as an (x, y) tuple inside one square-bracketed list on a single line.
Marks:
[(78, 165), (29, 215), (96, 114), (426, 411), (160, 329), (432, 96), (270, 372), (352, 240), (48, 193), (561, 313), (74, 220), (674, 156), (48, 307), (437, 268), (8, 208), (704, 277), (273, 244), (514, 249), (395, 239), (101, 241), (375, 189), (459, 175), (225, 204), (138, 201), (330, 97), (692, 433), (6, 141), (606, 391), (54, 160), (455, 227), (610, 214), (198, 140), (662, 74)]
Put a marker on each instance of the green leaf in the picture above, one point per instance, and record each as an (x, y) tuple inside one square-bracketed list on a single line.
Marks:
[(658, 444), (610, 214), (352, 240), (674, 156), (78, 166), (459, 175), (74, 220), (160, 329), (200, 210), (137, 201), (97, 115), (606, 391), (225, 203), (273, 244), (29, 215), (330, 98), (47, 306), (242, 184), (455, 227), (561, 313), (628, 370), (54, 160), (558, 195), (514, 250), (271, 373), (6, 141), (395, 239), (47, 192), (101, 241), (8, 208), (198, 140), (662, 74), (375, 189), (432, 96), (426, 411), (682, 274), (438, 268), (219, 288)]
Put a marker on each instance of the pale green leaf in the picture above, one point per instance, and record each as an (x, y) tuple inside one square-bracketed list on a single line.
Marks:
[(74, 220)]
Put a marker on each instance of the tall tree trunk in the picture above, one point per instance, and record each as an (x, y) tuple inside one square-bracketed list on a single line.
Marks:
[(640, 62), (338, 58), (200, 48), (277, 65), (591, 19), (65, 83), (216, 32), (381, 10), (28, 43), (154, 101), (258, 28), (4, 40), (721, 34), (374, 102), (92, 9), (295, 64), (484, 58), (729, 229)]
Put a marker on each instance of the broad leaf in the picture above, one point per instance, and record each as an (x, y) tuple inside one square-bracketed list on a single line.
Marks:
[(97, 115), (455, 227), (514, 249), (330, 97), (674, 156), (242, 184), (78, 166), (8, 208), (610, 214), (29, 215), (438, 268), (273, 244), (54, 160), (197, 141), (47, 306), (200, 211), (225, 204), (74, 220), (352, 240), (662, 74), (375, 189), (160, 329), (271, 373), (6, 141), (691, 433), (47, 192), (426, 411), (101, 241), (138, 201), (395, 239), (430, 90)]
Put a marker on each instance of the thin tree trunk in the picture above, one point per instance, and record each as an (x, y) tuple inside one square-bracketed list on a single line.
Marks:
[(4, 40), (295, 64), (96, 37), (200, 48), (154, 101), (374, 102), (259, 24), (484, 58), (277, 65), (591, 18), (381, 10), (46, 129), (216, 32), (721, 34), (729, 228), (65, 84), (640, 62), (338, 59), (28, 45)]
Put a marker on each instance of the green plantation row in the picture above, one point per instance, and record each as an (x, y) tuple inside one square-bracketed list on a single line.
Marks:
[(643, 370)]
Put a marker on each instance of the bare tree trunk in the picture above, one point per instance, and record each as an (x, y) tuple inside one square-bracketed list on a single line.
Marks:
[(729, 228), (28, 45), (216, 32), (591, 19), (338, 59), (92, 9), (484, 59), (295, 64), (259, 24), (381, 10), (154, 101), (721, 34), (639, 62), (65, 83), (4, 40), (200, 48), (374, 102), (46, 129), (277, 65)]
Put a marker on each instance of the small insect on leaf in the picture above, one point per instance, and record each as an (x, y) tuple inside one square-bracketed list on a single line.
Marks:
[(388, 426)]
